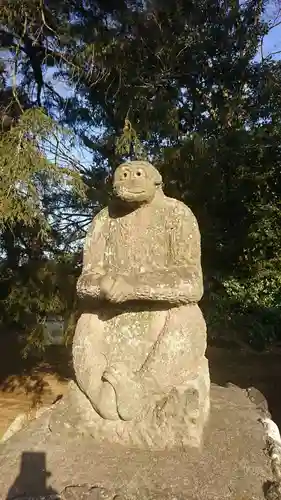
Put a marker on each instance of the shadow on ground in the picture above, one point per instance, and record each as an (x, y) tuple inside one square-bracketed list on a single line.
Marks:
[(249, 369), (31, 376), (32, 478)]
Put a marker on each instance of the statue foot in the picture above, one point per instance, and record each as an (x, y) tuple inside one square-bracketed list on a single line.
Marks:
[(106, 402), (129, 391)]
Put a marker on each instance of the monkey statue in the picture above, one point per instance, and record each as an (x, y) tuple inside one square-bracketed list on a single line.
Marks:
[(139, 345)]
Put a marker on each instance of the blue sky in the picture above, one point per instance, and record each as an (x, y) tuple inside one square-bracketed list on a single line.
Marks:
[(272, 42)]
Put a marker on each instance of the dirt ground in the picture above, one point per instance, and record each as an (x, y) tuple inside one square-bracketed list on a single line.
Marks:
[(28, 384)]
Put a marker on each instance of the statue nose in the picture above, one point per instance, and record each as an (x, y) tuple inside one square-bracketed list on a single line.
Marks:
[(135, 181)]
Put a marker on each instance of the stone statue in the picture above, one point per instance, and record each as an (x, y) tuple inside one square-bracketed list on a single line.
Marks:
[(139, 345)]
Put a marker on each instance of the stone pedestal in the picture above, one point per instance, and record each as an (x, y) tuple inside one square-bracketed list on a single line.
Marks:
[(232, 464), (173, 421)]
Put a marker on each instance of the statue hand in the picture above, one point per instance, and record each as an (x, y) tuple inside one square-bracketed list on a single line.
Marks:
[(87, 280), (115, 289), (87, 284), (106, 283)]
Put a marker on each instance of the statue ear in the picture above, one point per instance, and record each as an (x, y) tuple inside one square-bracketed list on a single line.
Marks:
[(158, 180), (158, 184)]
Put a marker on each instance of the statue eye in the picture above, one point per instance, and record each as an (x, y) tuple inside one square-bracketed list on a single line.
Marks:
[(125, 174), (139, 173)]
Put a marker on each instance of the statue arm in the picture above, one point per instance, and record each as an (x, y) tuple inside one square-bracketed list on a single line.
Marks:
[(93, 258), (181, 282)]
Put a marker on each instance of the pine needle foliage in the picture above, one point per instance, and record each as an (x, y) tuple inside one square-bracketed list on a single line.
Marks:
[(24, 167)]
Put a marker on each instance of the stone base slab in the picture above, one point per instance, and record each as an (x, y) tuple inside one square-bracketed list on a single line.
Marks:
[(37, 463), (177, 419)]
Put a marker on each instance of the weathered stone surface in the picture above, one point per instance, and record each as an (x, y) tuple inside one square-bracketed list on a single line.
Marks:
[(232, 465), (139, 346)]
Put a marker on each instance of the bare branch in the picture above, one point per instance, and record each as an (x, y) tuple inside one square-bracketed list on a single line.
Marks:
[(274, 53), (272, 26)]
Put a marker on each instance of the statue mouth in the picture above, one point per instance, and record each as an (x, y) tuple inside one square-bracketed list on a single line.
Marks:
[(135, 192)]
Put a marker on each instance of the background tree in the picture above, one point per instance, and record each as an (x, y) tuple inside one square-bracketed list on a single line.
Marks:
[(207, 112), (34, 166)]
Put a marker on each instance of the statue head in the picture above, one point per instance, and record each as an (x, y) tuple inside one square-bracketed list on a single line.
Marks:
[(136, 182)]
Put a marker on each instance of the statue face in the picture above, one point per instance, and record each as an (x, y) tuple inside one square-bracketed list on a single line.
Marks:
[(136, 182)]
